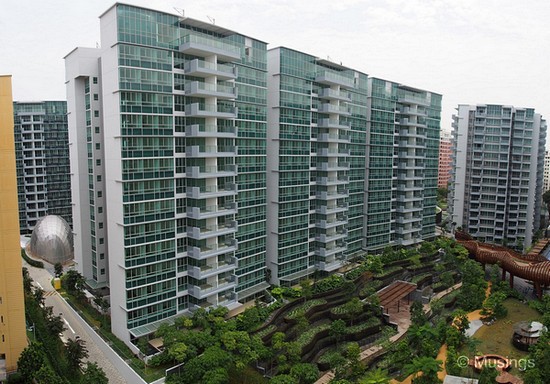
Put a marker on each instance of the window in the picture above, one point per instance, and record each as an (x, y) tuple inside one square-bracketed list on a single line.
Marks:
[(94, 80), (96, 129), (101, 241), (101, 256), (100, 210), (97, 145), (96, 97), (102, 271), (98, 178), (96, 113), (100, 225), (98, 162), (99, 194)]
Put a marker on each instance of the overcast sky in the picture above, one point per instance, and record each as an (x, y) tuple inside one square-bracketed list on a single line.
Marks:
[(471, 51)]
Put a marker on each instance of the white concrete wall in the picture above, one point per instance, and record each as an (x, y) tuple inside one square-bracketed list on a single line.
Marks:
[(272, 165), (80, 64), (460, 169), (113, 172)]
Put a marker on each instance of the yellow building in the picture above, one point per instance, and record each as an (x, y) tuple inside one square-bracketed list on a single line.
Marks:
[(13, 338)]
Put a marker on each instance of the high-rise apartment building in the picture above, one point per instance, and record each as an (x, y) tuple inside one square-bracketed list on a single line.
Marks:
[(13, 337), (445, 160), (43, 171), (352, 164), (167, 124), (546, 177), (496, 183), (402, 156), (172, 159)]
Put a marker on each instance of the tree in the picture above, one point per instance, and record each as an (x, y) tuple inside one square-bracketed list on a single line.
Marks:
[(45, 375), (353, 354), (30, 361), (38, 295), (93, 374), (488, 375), (75, 351), (283, 379), (307, 288), (418, 317), (305, 373), (58, 269), (353, 308), (375, 376), (429, 368), (74, 282), (337, 330), (27, 281), (54, 324)]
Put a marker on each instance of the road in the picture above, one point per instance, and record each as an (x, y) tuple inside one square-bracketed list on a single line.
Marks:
[(42, 278)]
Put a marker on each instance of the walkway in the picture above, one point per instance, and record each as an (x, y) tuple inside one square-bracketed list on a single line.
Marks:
[(402, 319), (98, 352)]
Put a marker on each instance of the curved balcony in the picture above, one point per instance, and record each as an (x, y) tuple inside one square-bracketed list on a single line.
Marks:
[(201, 68), (197, 130), (210, 110), (204, 45), (211, 171), (199, 89), (212, 211)]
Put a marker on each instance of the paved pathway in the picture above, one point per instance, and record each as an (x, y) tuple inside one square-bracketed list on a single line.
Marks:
[(402, 319), (75, 325)]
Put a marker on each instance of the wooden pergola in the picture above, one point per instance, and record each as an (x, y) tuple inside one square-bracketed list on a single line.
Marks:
[(393, 293)]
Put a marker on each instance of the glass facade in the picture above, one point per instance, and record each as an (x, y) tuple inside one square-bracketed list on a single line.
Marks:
[(43, 171)]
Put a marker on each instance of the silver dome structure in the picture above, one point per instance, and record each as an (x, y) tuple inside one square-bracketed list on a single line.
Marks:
[(52, 240)]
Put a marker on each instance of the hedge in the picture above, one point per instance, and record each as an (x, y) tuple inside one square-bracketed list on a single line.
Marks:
[(34, 263)]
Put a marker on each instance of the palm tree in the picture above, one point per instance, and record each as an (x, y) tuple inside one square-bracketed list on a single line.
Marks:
[(377, 376)]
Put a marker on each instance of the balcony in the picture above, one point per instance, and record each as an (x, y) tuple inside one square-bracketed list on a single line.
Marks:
[(331, 223), (212, 211), (210, 110), (206, 290), (204, 45), (211, 250), (327, 210), (332, 195), (329, 138), (327, 181), (212, 191), (329, 251), (211, 171), (334, 109), (211, 231), (327, 238), (205, 151), (413, 100), (332, 123), (332, 78), (209, 130), (414, 112), (199, 89), (331, 94), (210, 270), (201, 68), (332, 166)]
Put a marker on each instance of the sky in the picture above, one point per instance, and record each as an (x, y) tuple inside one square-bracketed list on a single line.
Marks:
[(470, 51)]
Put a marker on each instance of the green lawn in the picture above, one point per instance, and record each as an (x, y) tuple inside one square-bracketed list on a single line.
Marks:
[(497, 338)]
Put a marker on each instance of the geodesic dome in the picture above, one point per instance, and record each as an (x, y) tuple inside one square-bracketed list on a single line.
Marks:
[(52, 240)]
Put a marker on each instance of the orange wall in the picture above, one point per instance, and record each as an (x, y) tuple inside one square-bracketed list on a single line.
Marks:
[(13, 338)]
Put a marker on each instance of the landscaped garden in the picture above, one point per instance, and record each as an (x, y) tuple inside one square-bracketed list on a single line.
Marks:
[(325, 323)]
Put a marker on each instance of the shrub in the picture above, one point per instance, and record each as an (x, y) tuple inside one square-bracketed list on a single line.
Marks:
[(302, 309), (34, 263)]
